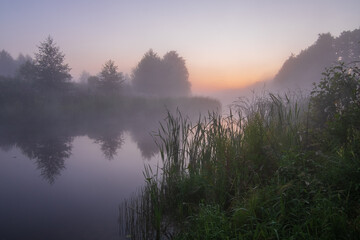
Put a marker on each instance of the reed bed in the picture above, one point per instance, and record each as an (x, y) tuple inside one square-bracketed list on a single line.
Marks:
[(264, 171)]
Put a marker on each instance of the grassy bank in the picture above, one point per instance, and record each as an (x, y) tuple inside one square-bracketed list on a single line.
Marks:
[(280, 167)]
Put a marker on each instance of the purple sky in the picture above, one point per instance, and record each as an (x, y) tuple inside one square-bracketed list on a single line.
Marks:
[(226, 44)]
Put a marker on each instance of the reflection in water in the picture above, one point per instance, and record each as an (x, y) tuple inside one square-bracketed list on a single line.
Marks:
[(50, 153), (110, 144), (82, 202), (49, 142), (108, 135), (143, 133)]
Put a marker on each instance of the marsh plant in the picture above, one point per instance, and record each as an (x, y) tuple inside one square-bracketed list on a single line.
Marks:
[(278, 167)]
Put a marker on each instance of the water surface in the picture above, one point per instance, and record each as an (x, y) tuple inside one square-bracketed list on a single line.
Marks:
[(66, 182)]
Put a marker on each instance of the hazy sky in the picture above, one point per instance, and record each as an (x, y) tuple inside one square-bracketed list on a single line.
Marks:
[(226, 43)]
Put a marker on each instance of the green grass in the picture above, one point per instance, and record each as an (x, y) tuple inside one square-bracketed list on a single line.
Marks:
[(268, 171)]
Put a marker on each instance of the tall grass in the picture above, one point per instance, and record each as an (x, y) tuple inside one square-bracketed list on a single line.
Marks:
[(258, 173)]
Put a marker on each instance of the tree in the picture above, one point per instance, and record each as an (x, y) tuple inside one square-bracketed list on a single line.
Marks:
[(84, 76), (146, 75), (167, 76), (6, 64), (335, 103), (27, 71), (176, 76), (348, 46), (110, 79), (48, 71), (306, 67)]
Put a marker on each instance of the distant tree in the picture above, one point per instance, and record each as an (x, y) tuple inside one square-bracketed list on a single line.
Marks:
[(21, 59), (348, 46), (306, 67), (93, 83), (110, 79), (176, 76), (167, 76), (146, 75), (28, 71), (9, 65), (84, 76), (48, 71)]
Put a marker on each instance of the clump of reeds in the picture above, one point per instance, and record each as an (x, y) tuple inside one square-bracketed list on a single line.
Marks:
[(258, 173)]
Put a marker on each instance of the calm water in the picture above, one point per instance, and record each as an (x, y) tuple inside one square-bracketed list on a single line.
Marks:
[(65, 179), (66, 182)]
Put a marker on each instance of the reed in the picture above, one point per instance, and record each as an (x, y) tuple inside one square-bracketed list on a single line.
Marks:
[(258, 173)]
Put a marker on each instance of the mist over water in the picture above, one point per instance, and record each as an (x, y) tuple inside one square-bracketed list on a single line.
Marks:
[(71, 150), (65, 179)]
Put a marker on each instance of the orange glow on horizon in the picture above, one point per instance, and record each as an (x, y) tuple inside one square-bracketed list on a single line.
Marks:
[(214, 79), (204, 77)]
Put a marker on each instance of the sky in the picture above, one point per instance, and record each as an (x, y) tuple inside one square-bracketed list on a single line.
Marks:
[(226, 44)]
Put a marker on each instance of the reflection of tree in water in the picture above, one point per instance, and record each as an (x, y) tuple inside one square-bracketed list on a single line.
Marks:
[(48, 141), (108, 134), (50, 153), (145, 143), (49, 144), (110, 144)]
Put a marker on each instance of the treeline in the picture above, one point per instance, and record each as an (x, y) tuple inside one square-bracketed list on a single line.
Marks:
[(9, 66), (305, 68), (43, 85), (153, 76)]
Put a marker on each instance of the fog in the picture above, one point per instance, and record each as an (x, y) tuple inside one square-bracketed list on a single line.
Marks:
[(45, 111), (47, 119), (300, 71)]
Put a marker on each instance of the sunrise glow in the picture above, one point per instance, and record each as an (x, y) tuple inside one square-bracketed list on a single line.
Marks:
[(225, 45)]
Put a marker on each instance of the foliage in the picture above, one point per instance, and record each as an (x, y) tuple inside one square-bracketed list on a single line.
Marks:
[(269, 172), (336, 102), (110, 79), (48, 72), (9, 66), (306, 67), (167, 76)]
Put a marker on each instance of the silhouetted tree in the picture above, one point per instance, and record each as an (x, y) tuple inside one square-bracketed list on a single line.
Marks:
[(348, 46), (93, 83), (48, 71), (176, 76), (146, 75), (306, 67), (27, 71), (8, 65), (110, 79), (84, 76), (154, 76)]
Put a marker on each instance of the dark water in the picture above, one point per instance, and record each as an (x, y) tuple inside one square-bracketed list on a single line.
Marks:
[(66, 181), (64, 176)]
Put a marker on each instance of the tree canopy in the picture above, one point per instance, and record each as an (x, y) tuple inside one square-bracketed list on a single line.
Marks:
[(167, 76), (306, 67), (48, 71), (8, 65), (109, 78)]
